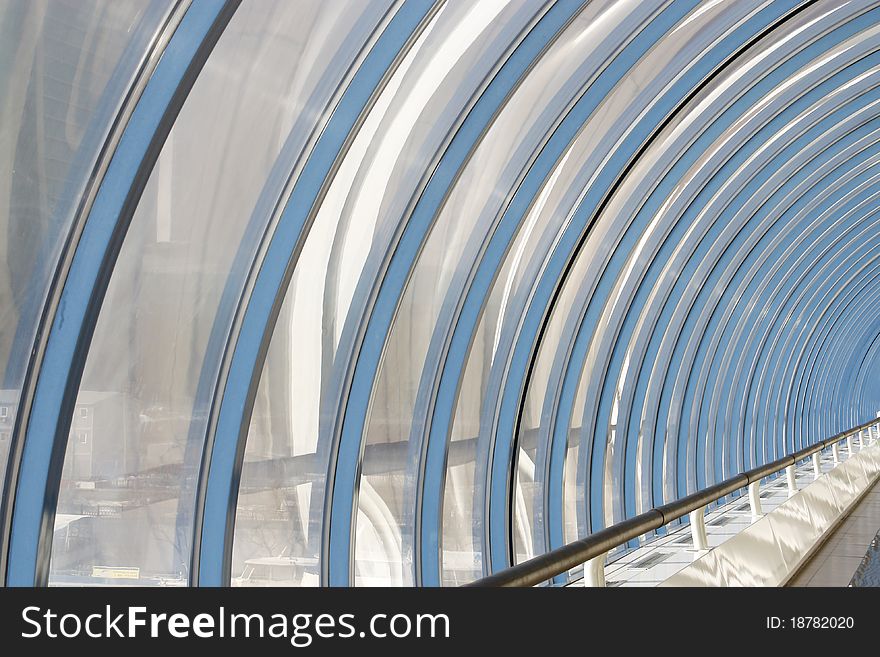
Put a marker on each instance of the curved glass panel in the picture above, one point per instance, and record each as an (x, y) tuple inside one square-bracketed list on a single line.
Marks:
[(618, 252), (594, 148), (391, 458), (127, 491), (65, 69), (352, 233), (577, 57), (281, 495)]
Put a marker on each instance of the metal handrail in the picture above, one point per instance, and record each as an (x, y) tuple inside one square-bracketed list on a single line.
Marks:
[(550, 564)]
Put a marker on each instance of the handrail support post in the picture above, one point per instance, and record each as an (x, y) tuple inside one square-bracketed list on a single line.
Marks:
[(755, 499), (594, 571), (835, 453), (698, 529), (791, 479), (817, 466)]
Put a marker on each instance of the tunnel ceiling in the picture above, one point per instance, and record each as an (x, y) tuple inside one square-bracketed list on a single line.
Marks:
[(403, 292)]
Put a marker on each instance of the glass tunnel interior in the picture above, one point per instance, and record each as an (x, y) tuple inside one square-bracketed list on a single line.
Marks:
[(405, 292)]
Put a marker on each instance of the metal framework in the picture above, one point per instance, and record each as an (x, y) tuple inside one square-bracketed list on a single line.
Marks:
[(411, 291)]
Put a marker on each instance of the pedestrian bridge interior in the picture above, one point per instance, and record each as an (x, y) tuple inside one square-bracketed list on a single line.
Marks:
[(416, 292)]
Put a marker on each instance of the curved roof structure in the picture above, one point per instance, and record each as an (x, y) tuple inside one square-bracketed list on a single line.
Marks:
[(404, 292)]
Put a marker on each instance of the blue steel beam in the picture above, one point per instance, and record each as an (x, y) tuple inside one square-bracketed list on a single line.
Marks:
[(814, 345), (272, 274), (699, 225), (837, 314), (348, 430), (659, 352), (599, 351), (498, 496), (512, 389), (709, 373), (765, 378), (738, 383), (559, 438), (74, 317), (450, 349), (28, 346), (737, 273), (706, 287), (748, 296)]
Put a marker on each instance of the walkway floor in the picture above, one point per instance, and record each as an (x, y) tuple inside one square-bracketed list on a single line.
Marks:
[(837, 560)]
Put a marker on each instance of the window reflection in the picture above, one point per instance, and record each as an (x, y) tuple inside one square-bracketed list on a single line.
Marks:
[(65, 67)]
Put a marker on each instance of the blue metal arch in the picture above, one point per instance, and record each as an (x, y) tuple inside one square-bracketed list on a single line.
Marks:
[(663, 258), (745, 322), (831, 316), (655, 352), (226, 445), (560, 437), (862, 382), (739, 295), (602, 294), (768, 382), (813, 349), (800, 270), (658, 468), (745, 381), (21, 343), (522, 365), (708, 373), (73, 323), (738, 298), (712, 284), (791, 302), (27, 350), (676, 314), (348, 430), (451, 349), (706, 65), (611, 360)]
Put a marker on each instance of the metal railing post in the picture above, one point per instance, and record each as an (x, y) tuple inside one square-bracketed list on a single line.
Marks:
[(594, 571), (835, 453), (755, 499), (698, 529), (817, 467), (791, 479), (849, 446)]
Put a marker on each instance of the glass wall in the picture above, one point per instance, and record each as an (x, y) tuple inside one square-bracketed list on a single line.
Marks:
[(132, 463)]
